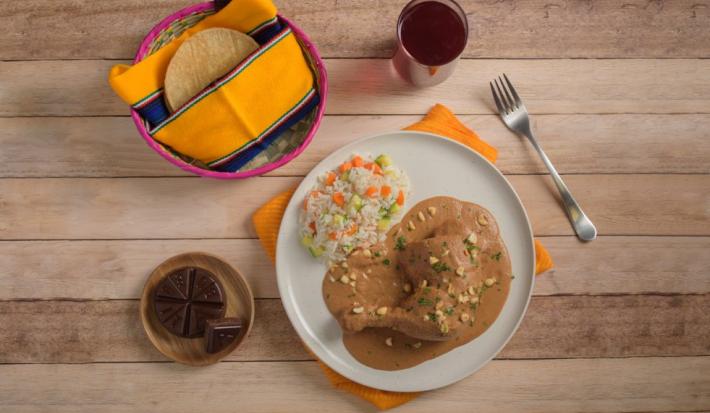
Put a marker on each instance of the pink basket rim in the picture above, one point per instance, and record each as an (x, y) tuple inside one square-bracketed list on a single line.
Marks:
[(323, 92)]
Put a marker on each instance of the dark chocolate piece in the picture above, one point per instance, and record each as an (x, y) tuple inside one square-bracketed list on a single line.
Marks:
[(176, 285), (186, 298), (221, 333), (199, 314), (172, 315), (205, 288)]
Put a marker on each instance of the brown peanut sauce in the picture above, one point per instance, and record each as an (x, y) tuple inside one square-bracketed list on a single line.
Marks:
[(440, 286)]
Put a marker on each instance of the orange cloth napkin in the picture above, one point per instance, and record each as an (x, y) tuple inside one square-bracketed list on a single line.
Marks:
[(267, 220)]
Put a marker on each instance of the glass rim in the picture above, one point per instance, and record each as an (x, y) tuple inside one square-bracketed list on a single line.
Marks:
[(457, 8)]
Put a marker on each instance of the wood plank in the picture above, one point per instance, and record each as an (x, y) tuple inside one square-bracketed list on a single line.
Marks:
[(368, 86), (44, 29), (554, 327), (157, 208), (105, 147), (118, 269), (111, 331), (611, 385)]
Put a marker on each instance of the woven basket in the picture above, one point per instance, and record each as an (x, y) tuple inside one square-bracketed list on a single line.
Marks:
[(284, 149)]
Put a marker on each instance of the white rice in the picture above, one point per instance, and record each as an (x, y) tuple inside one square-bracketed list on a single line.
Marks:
[(332, 240)]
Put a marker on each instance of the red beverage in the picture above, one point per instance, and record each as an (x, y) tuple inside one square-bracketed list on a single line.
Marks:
[(433, 33)]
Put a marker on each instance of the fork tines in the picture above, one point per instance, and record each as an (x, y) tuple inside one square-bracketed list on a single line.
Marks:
[(502, 95)]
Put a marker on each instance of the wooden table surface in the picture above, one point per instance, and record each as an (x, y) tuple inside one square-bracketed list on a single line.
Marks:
[(620, 96)]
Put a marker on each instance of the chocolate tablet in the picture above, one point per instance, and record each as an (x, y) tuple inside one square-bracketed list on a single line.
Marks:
[(184, 299), (221, 333)]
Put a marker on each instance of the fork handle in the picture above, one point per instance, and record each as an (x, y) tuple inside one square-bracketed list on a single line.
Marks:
[(580, 221)]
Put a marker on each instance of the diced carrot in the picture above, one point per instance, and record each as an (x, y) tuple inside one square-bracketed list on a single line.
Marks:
[(400, 198), (375, 168), (352, 230), (357, 161), (333, 236), (312, 226), (345, 166), (371, 191), (385, 191), (339, 199), (330, 178), (305, 204)]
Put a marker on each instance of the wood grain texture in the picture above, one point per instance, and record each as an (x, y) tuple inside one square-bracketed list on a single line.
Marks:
[(155, 208), (554, 327), (107, 147), (115, 269), (370, 86), (118, 269), (611, 385), (45, 29)]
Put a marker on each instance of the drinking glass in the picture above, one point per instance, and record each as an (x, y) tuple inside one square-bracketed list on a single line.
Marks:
[(431, 35)]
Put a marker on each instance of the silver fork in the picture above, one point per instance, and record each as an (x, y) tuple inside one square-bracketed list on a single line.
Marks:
[(515, 117)]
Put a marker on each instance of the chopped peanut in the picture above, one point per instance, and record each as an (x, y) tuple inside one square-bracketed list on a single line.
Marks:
[(482, 220), (344, 279), (433, 260), (381, 311), (460, 271), (431, 210), (421, 217), (358, 310), (388, 341)]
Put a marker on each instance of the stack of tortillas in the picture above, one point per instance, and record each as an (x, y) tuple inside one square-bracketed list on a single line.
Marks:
[(202, 59)]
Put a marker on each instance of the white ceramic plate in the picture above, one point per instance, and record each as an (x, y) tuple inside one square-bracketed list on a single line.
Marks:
[(436, 166)]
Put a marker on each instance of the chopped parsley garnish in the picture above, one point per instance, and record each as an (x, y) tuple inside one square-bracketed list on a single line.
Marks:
[(449, 311), (470, 247), (440, 267), (401, 243), (386, 261), (496, 256), (424, 301), (377, 254), (427, 290)]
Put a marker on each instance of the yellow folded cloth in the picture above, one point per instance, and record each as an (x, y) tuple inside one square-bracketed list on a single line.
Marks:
[(267, 220), (133, 83), (237, 117)]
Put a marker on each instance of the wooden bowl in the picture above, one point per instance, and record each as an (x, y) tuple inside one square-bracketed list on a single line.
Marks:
[(238, 298)]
